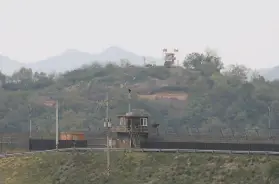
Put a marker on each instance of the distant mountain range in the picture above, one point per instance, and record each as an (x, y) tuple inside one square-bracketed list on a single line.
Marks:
[(71, 59), (8, 66)]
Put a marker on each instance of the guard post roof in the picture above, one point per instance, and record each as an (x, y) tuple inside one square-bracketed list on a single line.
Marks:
[(136, 113)]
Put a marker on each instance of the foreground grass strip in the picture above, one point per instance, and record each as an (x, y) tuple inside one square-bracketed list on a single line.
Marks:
[(155, 168)]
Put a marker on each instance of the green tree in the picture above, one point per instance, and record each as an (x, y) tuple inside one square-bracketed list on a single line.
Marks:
[(207, 63)]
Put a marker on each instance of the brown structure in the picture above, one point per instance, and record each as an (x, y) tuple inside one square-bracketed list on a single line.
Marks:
[(72, 136), (131, 131)]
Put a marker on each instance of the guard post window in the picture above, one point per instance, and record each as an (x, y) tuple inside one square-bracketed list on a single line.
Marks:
[(143, 121), (122, 121)]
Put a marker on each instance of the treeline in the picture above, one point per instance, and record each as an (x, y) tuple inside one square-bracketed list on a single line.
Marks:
[(218, 97), (26, 79), (226, 98)]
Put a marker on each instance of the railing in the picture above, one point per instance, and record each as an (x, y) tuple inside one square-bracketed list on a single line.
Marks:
[(140, 129), (125, 129), (119, 129)]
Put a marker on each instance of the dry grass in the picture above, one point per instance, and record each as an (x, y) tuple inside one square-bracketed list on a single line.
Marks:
[(155, 168)]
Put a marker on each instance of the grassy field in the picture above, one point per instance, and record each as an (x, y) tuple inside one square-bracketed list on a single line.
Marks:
[(139, 168)]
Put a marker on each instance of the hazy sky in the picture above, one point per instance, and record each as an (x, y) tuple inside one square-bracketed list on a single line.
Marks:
[(242, 31)]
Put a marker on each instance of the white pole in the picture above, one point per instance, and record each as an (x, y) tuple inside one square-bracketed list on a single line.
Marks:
[(269, 122), (129, 100), (108, 131), (30, 128), (57, 127), (107, 106), (108, 153), (30, 121)]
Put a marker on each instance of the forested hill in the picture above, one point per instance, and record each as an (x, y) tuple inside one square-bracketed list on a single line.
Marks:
[(211, 96)]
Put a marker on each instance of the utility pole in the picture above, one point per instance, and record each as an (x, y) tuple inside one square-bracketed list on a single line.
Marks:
[(107, 124), (129, 99), (30, 121), (30, 128), (269, 121), (57, 127), (108, 146), (1, 146), (129, 95)]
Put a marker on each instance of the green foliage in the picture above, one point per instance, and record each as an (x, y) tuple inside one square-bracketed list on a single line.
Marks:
[(216, 97), (231, 99), (80, 93), (207, 63)]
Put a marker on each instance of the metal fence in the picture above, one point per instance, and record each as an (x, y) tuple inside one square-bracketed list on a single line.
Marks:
[(13, 142), (217, 135), (41, 144), (97, 138)]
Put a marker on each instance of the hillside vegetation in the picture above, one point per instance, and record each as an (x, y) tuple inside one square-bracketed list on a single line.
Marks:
[(141, 168), (216, 96)]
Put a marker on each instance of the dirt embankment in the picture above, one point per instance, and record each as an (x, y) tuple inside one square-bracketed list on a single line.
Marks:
[(165, 95)]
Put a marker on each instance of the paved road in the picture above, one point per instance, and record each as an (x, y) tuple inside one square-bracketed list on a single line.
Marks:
[(145, 150)]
